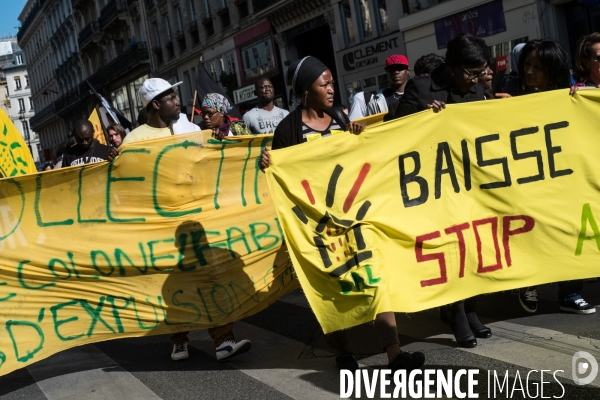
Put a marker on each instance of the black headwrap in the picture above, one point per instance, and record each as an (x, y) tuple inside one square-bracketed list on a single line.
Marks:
[(306, 72)]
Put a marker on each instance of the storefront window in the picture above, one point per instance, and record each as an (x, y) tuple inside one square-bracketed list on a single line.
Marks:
[(258, 58), (347, 25), (351, 89), (503, 50), (371, 84), (381, 14), (365, 18), (134, 88)]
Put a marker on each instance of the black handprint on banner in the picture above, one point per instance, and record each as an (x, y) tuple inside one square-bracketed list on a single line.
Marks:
[(340, 242)]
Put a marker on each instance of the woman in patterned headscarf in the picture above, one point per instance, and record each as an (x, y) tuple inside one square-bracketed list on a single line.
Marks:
[(215, 109)]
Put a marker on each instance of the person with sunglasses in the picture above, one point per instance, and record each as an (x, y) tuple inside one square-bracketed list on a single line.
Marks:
[(543, 66), (587, 61), (215, 109), (455, 81)]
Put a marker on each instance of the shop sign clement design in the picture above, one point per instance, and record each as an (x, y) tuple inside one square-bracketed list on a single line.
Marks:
[(369, 54)]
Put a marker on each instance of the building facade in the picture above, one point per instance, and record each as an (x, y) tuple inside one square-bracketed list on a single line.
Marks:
[(8, 46), (238, 42), (21, 104), (74, 45)]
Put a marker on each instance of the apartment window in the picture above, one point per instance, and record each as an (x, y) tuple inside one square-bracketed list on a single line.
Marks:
[(225, 20), (157, 32), (21, 105), (187, 83), (208, 26), (381, 15), (25, 125), (168, 25), (213, 70), (258, 58), (19, 59), (243, 9), (30, 104), (179, 21), (195, 36), (347, 24), (193, 10), (18, 82), (26, 80), (231, 64), (366, 28)]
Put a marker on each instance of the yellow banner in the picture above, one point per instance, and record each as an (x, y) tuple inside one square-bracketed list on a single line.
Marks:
[(15, 157), (438, 207), (178, 233)]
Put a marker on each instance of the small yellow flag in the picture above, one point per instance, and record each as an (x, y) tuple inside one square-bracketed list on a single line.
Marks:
[(15, 156), (94, 118)]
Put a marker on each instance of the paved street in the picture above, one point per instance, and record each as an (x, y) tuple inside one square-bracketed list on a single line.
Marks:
[(289, 358)]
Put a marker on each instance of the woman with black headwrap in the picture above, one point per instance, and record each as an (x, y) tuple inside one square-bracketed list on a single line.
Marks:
[(312, 84)]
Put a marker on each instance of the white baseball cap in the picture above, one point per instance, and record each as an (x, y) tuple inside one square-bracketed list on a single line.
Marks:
[(153, 87)]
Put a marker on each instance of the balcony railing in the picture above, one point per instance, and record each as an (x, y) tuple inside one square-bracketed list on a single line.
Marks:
[(73, 96), (258, 5), (87, 33), (128, 60), (41, 116), (111, 10)]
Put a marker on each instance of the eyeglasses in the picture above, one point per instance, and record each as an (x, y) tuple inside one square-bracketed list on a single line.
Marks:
[(471, 76), (208, 114)]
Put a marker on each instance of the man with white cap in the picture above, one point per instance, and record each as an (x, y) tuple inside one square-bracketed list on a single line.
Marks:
[(164, 112), (163, 107)]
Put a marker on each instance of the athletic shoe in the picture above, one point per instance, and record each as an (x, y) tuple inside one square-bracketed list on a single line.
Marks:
[(180, 352), (231, 348), (346, 361), (579, 306), (407, 361), (528, 299)]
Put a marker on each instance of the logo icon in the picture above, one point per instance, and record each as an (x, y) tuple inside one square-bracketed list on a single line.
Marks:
[(580, 367), (340, 241), (348, 61)]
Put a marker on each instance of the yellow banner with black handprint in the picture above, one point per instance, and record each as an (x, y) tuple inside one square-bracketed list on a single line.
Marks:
[(15, 157), (438, 207)]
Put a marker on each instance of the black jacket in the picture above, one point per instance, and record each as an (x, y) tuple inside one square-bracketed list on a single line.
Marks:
[(289, 131), (424, 89)]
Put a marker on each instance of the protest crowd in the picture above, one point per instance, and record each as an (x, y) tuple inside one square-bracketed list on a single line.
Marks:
[(464, 75)]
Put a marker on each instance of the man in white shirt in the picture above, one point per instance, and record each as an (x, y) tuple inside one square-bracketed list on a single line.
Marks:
[(364, 103), (265, 117), (164, 114)]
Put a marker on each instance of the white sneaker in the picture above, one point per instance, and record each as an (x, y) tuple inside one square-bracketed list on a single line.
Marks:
[(180, 352), (231, 348)]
